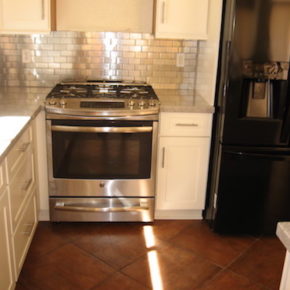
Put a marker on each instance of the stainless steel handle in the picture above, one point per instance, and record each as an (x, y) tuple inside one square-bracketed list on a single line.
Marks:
[(163, 158), (42, 9), (163, 12), (61, 206), (186, 125), (101, 129), (23, 147), (27, 184)]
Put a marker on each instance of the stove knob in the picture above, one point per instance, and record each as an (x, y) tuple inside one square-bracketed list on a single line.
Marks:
[(131, 103), (62, 102), (141, 103), (52, 102), (152, 103)]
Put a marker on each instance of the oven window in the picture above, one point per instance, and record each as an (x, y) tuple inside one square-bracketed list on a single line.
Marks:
[(82, 155)]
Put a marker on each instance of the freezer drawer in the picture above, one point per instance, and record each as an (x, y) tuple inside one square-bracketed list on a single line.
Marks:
[(102, 209), (253, 192)]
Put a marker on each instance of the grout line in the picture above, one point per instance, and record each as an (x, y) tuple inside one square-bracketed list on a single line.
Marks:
[(242, 253)]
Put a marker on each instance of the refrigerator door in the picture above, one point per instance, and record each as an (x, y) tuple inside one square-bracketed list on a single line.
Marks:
[(256, 89), (253, 191)]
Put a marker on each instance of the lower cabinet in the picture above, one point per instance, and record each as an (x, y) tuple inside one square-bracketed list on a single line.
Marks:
[(6, 260), (18, 207), (182, 172), (24, 233), (182, 165)]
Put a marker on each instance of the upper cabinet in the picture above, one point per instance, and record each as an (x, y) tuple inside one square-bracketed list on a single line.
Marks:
[(29, 16), (181, 19), (104, 15)]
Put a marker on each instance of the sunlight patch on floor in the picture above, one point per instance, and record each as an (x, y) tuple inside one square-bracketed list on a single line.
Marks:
[(152, 256)]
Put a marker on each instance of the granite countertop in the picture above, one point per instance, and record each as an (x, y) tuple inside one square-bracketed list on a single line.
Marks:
[(283, 233), (182, 101), (17, 107)]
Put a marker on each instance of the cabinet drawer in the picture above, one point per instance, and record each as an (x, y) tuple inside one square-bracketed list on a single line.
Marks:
[(24, 232), (21, 185), (18, 151), (2, 178), (185, 124)]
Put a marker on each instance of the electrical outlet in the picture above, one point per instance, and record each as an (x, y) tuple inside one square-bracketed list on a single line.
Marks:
[(180, 60), (27, 56)]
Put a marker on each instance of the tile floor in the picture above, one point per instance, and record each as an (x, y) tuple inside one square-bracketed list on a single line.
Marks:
[(165, 255)]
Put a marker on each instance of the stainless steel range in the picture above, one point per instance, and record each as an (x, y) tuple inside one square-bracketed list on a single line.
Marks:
[(101, 140)]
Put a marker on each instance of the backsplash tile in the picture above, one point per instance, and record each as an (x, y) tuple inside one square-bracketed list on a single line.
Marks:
[(45, 59)]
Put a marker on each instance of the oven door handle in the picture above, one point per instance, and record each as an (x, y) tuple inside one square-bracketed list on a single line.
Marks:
[(81, 129), (63, 207)]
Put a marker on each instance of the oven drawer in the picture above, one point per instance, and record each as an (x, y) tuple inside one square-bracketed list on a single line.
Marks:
[(102, 209)]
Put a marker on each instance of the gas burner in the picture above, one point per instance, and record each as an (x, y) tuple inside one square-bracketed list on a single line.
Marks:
[(97, 98)]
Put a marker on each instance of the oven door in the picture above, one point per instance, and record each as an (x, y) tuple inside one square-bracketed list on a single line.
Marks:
[(101, 158)]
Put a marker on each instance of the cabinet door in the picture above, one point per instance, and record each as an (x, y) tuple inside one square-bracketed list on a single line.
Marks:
[(6, 273), (27, 16), (183, 19), (182, 173)]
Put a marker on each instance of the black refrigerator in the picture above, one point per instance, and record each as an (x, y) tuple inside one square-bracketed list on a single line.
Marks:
[(249, 178)]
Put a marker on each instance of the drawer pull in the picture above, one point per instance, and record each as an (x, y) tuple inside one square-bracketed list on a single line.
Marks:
[(28, 229), (163, 12), (186, 125), (42, 10), (163, 158), (27, 184), (23, 147), (64, 207)]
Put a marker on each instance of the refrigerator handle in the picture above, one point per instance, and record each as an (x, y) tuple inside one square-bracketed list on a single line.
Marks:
[(285, 132)]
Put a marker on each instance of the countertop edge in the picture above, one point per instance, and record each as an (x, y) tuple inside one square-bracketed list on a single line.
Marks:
[(20, 132), (283, 233)]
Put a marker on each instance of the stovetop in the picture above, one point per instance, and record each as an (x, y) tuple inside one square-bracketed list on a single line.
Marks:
[(102, 98)]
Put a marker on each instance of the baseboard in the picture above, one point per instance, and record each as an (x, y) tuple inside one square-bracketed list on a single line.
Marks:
[(178, 214), (43, 215)]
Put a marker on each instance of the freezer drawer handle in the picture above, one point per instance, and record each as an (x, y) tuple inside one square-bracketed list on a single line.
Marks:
[(264, 156), (62, 206), (101, 129)]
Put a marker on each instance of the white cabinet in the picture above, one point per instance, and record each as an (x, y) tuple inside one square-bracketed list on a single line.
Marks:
[(30, 16), (104, 15), (6, 261), (181, 19), (182, 164), (18, 208), (22, 195)]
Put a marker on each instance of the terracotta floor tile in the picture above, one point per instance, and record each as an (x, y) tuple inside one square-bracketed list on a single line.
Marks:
[(178, 268), (220, 249), (45, 240), (120, 282), (167, 229), (19, 286), (84, 256), (231, 281), (67, 267), (116, 244), (263, 262)]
